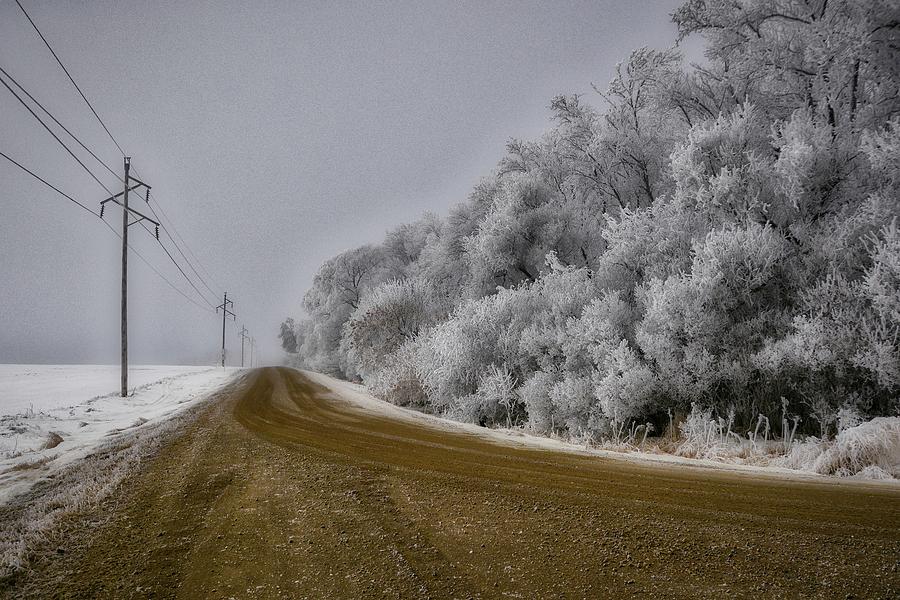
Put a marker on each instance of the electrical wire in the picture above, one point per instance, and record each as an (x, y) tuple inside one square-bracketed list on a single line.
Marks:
[(48, 184), (116, 175), (177, 247), (35, 115), (155, 270), (187, 247), (56, 137), (55, 120), (69, 75), (116, 233), (108, 168), (174, 262)]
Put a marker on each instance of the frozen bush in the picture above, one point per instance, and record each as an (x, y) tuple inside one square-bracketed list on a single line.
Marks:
[(474, 408), (397, 381), (725, 237), (627, 390), (873, 472), (574, 405), (803, 455), (882, 148), (649, 243), (810, 161), (591, 339), (387, 317), (522, 226), (497, 390), (875, 443), (723, 169), (535, 395)]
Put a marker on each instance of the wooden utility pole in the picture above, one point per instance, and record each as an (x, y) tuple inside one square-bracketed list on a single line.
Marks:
[(225, 312), (244, 336), (252, 345), (127, 212), (125, 281)]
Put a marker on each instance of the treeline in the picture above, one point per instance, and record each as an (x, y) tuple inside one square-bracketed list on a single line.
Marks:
[(723, 237)]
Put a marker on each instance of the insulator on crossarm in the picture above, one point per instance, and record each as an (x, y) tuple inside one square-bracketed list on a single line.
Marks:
[(102, 207), (157, 233)]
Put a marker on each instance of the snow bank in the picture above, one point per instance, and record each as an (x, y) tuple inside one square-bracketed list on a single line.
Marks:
[(51, 415)]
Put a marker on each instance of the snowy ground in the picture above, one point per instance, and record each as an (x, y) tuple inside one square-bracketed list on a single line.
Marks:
[(51, 415)]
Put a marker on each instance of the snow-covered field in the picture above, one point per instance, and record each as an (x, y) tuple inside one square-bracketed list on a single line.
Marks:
[(39, 388), (51, 415)]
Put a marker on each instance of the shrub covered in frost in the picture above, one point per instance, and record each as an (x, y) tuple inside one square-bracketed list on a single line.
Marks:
[(871, 445), (719, 245)]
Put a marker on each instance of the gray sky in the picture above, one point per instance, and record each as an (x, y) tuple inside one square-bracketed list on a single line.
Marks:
[(274, 134)]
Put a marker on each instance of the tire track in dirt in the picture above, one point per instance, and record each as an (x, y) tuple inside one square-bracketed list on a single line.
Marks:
[(287, 490)]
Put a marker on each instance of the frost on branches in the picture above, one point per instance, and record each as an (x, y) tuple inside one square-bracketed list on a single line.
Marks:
[(699, 259)]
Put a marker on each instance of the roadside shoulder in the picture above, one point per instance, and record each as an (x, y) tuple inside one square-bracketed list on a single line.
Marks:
[(31, 523), (359, 396)]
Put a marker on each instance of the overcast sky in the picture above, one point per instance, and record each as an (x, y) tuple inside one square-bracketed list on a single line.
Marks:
[(274, 134)]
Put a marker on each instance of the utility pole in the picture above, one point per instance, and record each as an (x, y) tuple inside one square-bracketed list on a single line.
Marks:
[(126, 214), (225, 312), (252, 345), (244, 336)]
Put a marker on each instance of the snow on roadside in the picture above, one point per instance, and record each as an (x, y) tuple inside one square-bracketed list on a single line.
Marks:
[(363, 399), (37, 388), (52, 415)]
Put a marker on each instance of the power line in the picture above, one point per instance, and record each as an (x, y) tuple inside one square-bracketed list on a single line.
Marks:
[(177, 247), (155, 270), (85, 168), (191, 252), (180, 270), (108, 226), (48, 184), (50, 48), (127, 211), (51, 132), (109, 133), (55, 120), (98, 159)]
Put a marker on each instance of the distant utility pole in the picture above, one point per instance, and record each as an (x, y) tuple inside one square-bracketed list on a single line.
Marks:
[(126, 214), (252, 345), (225, 312), (244, 336)]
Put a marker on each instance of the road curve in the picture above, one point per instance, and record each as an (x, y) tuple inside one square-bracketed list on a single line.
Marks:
[(287, 408), (287, 489)]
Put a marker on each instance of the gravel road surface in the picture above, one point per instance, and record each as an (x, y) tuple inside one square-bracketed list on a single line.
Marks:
[(286, 489)]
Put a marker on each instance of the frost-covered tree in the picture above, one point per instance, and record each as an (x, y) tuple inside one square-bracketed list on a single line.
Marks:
[(389, 316), (716, 239), (338, 288), (639, 128), (840, 59), (288, 336)]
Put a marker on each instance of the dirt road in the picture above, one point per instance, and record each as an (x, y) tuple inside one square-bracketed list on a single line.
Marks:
[(286, 491)]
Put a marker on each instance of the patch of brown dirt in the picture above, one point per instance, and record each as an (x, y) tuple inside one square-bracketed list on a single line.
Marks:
[(53, 440), (284, 491)]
